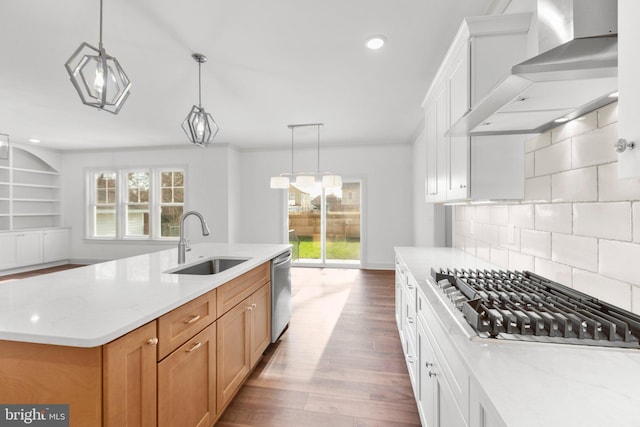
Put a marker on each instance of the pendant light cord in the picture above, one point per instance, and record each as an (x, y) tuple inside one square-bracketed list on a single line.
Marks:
[(292, 168), (318, 148), (199, 84), (100, 24)]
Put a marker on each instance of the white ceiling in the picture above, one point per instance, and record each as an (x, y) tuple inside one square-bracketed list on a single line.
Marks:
[(271, 63)]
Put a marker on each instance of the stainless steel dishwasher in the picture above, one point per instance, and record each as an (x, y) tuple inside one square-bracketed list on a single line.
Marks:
[(280, 294)]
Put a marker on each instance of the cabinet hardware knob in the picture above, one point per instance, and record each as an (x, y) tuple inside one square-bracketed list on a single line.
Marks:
[(249, 308), (254, 305), (432, 374), (152, 341), (193, 319), (410, 358), (427, 364), (195, 347), (410, 320), (463, 186), (622, 144)]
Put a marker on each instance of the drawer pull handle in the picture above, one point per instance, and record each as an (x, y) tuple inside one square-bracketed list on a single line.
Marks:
[(410, 358), (254, 305), (432, 374), (410, 320), (195, 347), (249, 308), (152, 341), (427, 364), (193, 319)]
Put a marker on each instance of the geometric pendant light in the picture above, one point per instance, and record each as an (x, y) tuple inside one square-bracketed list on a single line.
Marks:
[(98, 77), (199, 125)]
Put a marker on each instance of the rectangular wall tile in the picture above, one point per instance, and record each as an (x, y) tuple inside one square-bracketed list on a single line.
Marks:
[(576, 251), (609, 290), (521, 216), (483, 214), (458, 212), (521, 262), (635, 299), (604, 220), (538, 189), (581, 125), (613, 189), (608, 114), (537, 142), (552, 159), (551, 270), (536, 243), (529, 168), (510, 237), (553, 217), (483, 251), (579, 185), (499, 214), (491, 234), (619, 260), (636, 222), (595, 147), (500, 257), (470, 245)]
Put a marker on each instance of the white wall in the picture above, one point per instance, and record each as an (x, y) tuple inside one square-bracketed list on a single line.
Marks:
[(578, 225), (207, 192), (386, 172)]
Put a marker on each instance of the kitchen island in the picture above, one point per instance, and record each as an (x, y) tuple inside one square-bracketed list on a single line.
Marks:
[(460, 379), (127, 342)]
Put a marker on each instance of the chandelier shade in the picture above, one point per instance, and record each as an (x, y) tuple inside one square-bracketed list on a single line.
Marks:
[(199, 125), (305, 179), (98, 77)]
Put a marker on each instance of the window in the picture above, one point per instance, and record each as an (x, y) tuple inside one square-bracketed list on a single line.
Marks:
[(135, 204)]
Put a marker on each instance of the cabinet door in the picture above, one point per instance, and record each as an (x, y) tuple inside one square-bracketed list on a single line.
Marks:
[(187, 383), (458, 179), (629, 98), (233, 352), (481, 413), (129, 375), (458, 83), (260, 304), (8, 251), (55, 245), (425, 396), (442, 125), (431, 132), (29, 248)]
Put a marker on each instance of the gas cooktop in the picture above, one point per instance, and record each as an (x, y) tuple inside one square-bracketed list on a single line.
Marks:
[(520, 305)]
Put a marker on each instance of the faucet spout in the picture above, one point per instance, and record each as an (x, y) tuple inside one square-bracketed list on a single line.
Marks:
[(182, 244)]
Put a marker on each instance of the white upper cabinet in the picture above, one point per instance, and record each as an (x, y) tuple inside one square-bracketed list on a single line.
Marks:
[(629, 86), (461, 167)]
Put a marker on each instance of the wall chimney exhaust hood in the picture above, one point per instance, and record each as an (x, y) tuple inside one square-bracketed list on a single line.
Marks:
[(576, 76)]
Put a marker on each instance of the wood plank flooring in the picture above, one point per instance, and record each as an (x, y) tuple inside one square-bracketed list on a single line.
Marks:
[(31, 273), (340, 363)]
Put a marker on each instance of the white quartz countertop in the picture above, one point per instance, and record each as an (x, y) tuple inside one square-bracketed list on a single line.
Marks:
[(534, 384), (90, 306)]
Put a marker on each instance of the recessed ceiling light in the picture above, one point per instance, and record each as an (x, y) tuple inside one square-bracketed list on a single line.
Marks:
[(34, 140), (375, 42), (613, 95)]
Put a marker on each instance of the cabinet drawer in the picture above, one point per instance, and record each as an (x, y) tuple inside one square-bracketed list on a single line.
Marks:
[(179, 325), (448, 359), (240, 288)]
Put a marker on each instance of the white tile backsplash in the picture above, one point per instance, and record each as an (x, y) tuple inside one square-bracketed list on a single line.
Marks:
[(576, 251), (552, 159), (612, 189), (578, 185), (619, 260), (581, 125), (605, 220), (636, 222), (538, 189), (521, 215), (594, 148), (553, 217), (520, 261), (580, 226), (552, 270), (536, 243), (609, 290)]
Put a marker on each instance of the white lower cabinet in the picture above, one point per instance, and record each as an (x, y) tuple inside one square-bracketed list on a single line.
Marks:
[(32, 247), (480, 412)]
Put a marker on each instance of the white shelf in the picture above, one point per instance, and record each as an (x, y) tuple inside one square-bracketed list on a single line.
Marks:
[(37, 214), (54, 187), (4, 183), (36, 171), (34, 200)]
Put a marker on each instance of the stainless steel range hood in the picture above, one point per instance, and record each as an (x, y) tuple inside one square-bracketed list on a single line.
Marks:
[(576, 76)]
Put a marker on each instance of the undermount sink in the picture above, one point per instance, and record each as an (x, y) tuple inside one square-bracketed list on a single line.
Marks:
[(210, 266)]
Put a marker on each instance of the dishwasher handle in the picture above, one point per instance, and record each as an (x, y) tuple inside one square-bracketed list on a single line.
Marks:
[(282, 259)]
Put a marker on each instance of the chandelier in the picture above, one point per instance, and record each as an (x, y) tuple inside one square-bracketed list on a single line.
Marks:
[(199, 125)]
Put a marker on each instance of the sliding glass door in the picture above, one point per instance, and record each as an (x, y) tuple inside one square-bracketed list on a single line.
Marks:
[(324, 224)]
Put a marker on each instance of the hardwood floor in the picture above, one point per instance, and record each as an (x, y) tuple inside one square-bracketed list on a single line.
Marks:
[(32, 273), (340, 363)]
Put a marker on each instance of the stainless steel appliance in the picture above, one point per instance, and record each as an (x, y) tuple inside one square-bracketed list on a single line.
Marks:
[(280, 294), (524, 306)]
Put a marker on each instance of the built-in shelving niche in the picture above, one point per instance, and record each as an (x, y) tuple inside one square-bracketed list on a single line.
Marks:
[(29, 192)]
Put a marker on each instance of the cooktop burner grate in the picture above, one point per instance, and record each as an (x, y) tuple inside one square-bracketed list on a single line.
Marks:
[(525, 306)]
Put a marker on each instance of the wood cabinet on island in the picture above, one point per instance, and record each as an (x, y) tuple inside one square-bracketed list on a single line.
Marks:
[(127, 342)]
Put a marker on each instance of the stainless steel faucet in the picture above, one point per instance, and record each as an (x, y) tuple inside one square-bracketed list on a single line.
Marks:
[(182, 244)]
